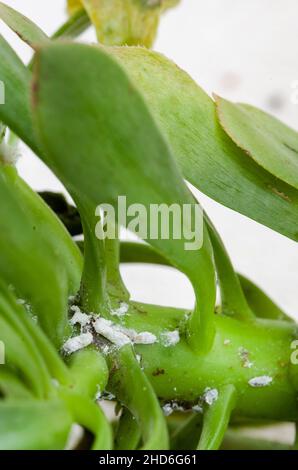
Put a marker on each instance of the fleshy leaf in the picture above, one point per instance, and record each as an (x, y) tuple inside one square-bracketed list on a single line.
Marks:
[(34, 425), (134, 390), (97, 169), (22, 26), (15, 113), (208, 158), (50, 260), (216, 419), (118, 22), (265, 139)]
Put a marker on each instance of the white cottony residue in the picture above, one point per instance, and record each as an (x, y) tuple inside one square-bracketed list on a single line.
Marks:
[(210, 395), (77, 342), (167, 409), (262, 381), (170, 338), (79, 318), (145, 338), (109, 331), (121, 311), (197, 409)]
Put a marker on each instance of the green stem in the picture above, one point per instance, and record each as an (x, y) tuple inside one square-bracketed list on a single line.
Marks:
[(114, 279), (93, 295), (134, 390), (233, 300), (74, 26), (216, 419)]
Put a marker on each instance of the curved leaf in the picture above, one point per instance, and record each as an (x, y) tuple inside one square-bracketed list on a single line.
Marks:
[(101, 102), (134, 390), (50, 260), (265, 139), (22, 26), (216, 419), (207, 156), (89, 415), (260, 303), (34, 425), (15, 113)]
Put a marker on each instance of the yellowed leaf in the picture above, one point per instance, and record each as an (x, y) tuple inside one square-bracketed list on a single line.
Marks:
[(118, 22)]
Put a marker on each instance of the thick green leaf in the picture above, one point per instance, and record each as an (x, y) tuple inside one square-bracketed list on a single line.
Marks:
[(22, 26), (15, 113), (134, 390), (207, 156), (20, 349), (11, 385), (260, 303), (88, 414), (265, 139), (217, 418), (29, 231), (103, 143), (34, 425)]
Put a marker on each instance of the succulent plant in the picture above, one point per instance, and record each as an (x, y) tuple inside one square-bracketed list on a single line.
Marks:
[(116, 119)]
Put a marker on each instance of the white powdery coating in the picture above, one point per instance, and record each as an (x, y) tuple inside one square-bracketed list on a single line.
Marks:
[(121, 311), (262, 381), (145, 338), (197, 409), (167, 409), (79, 317), (77, 342), (170, 338), (107, 329), (210, 395), (227, 342)]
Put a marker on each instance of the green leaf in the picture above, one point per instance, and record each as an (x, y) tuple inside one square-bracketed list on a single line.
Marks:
[(216, 419), (134, 390), (207, 156), (88, 414), (34, 425), (15, 113), (260, 303), (128, 432), (20, 349), (74, 26), (50, 259), (102, 142), (269, 142), (22, 26), (11, 386), (233, 301)]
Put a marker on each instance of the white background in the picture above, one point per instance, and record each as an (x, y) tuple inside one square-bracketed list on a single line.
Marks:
[(243, 50)]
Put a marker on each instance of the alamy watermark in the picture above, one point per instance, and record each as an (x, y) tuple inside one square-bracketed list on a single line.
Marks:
[(152, 222), (2, 93)]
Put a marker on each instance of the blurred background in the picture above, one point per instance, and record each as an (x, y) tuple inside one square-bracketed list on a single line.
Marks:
[(244, 50)]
